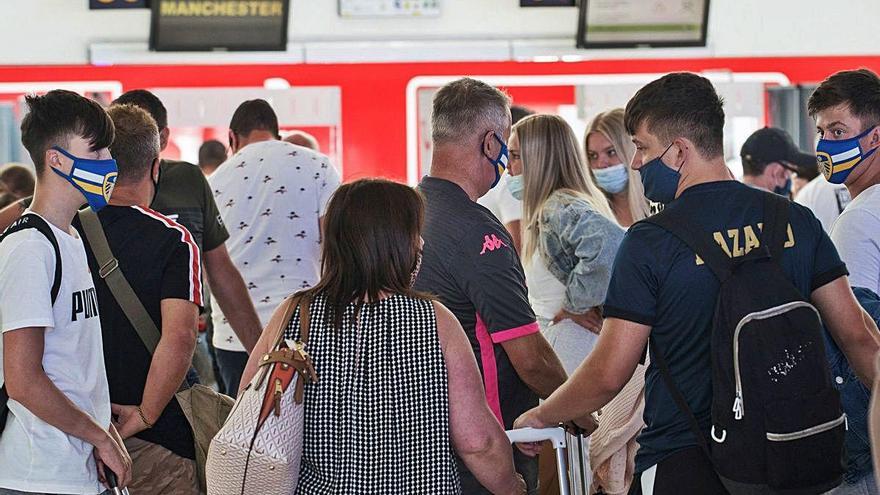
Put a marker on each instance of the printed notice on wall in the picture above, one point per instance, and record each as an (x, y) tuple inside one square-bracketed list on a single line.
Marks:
[(389, 8), (645, 21)]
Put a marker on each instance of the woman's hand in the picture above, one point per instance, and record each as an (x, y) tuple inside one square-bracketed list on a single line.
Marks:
[(591, 320)]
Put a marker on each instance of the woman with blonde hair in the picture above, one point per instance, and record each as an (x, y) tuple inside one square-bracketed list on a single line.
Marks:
[(613, 445), (609, 153), (570, 236), (570, 240)]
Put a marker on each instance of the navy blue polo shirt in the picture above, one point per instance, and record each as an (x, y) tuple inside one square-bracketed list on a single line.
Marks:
[(660, 282), (470, 264)]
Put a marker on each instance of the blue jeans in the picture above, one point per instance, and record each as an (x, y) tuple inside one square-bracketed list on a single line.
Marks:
[(866, 485), (231, 366)]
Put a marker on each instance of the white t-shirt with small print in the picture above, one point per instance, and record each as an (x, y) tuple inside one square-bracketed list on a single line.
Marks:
[(271, 195)]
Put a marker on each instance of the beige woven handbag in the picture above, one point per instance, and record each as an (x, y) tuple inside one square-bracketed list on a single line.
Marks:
[(258, 449)]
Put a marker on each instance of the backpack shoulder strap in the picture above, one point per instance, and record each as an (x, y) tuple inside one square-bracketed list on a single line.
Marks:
[(679, 399), (684, 230), (777, 211), (34, 221)]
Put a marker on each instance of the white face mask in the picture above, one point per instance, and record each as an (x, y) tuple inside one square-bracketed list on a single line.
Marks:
[(613, 179), (515, 186)]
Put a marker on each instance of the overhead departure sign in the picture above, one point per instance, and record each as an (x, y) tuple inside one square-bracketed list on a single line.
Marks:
[(235, 25)]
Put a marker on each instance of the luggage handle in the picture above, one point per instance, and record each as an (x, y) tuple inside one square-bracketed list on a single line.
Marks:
[(527, 435), (557, 437)]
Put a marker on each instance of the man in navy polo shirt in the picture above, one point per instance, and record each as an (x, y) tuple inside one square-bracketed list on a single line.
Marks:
[(470, 263), (660, 289)]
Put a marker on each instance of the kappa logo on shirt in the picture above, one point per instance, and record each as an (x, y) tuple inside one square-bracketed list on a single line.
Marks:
[(491, 243)]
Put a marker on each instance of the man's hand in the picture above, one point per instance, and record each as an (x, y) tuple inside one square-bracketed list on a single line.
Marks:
[(591, 320), (128, 421), (530, 419), (110, 453)]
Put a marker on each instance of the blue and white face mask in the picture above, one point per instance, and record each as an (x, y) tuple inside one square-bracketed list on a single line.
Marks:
[(500, 162), (837, 159), (95, 179)]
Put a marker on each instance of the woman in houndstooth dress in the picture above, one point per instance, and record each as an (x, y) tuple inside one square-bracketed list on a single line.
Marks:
[(399, 394)]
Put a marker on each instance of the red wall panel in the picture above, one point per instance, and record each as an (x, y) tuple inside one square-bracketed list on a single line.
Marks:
[(373, 95)]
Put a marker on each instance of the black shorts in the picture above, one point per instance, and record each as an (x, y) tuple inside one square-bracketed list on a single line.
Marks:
[(686, 471)]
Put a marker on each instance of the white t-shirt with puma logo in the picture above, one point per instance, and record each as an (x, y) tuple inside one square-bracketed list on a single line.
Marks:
[(35, 456)]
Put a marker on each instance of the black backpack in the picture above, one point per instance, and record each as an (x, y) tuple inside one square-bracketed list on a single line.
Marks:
[(31, 221), (777, 421)]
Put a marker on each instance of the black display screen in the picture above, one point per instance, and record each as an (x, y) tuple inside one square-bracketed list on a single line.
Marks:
[(634, 23), (234, 25)]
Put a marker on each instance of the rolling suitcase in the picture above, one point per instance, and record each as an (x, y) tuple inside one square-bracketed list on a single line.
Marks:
[(573, 474)]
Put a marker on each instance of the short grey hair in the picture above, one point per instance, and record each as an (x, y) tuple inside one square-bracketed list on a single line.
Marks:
[(468, 106)]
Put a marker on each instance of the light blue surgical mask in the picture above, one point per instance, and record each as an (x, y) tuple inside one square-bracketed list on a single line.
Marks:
[(612, 179), (838, 158), (95, 179), (515, 186)]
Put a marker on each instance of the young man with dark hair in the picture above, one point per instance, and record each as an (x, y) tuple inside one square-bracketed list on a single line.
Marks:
[(161, 261), (272, 194), (846, 107), (251, 116), (662, 291), (769, 157), (59, 420), (185, 196), (153, 105)]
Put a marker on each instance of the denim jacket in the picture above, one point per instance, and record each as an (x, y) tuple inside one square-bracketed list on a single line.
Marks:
[(854, 396), (578, 246)]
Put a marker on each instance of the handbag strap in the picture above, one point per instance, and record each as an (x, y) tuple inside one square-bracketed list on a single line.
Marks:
[(280, 327), (292, 302), (119, 286)]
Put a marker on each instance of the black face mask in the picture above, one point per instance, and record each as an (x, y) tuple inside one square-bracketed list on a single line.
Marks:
[(156, 185)]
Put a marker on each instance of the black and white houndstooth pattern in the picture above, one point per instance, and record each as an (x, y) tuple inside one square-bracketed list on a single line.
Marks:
[(377, 422)]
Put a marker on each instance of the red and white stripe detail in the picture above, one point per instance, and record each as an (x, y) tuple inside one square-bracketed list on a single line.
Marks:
[(195, 262)]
